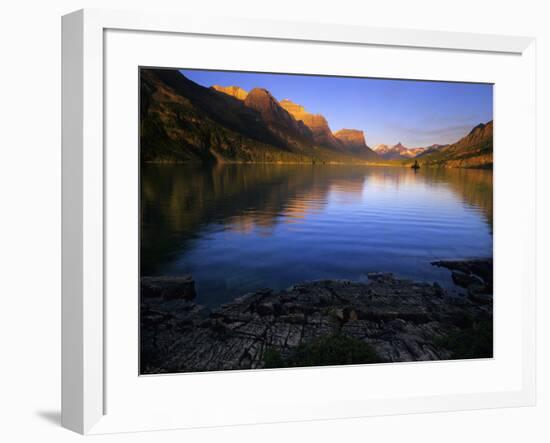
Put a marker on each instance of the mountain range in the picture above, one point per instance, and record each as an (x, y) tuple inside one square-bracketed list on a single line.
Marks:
[(399, 151), (182, 121)]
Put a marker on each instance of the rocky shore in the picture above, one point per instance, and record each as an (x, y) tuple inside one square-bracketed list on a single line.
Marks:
[(385, 319)]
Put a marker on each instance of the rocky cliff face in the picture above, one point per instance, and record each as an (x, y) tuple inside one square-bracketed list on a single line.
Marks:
[(233, 91), (298, 111), (279, 120), (316, 123), (262, 101), (353, 140), (321, 130)]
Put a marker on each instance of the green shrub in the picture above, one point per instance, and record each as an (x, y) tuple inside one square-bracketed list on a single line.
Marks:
[(273, 359), (324, 351), (475, 341)]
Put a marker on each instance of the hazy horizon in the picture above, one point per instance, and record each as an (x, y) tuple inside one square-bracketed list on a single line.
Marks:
[(415, 113)]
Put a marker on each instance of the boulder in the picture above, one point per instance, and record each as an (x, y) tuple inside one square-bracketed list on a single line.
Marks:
[(465, 280)]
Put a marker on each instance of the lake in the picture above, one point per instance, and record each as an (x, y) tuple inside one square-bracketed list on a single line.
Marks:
[(241, 227)]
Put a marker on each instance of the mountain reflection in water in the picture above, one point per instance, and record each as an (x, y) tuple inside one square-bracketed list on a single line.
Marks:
[(241, 227)]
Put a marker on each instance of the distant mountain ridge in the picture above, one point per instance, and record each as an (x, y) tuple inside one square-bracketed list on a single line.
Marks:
[(394, 152), (399, 151)]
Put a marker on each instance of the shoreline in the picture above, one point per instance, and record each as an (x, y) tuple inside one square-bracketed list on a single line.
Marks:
[(315, 163), (383, 320)]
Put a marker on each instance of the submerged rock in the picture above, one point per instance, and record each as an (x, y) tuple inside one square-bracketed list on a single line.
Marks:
[(465, 280), (169, 287), (476, 276)]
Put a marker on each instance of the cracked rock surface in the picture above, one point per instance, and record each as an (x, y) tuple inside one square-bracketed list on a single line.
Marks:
[(401, 320)]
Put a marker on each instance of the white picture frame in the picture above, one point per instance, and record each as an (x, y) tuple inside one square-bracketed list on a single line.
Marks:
[(88, 381)]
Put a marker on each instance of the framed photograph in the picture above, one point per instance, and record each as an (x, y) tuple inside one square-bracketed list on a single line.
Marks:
[(274, 221)]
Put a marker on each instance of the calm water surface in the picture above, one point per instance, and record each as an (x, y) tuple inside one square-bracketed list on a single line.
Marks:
[(237, 228)]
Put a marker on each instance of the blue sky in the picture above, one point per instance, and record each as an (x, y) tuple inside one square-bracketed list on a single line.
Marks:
[(415, 113)]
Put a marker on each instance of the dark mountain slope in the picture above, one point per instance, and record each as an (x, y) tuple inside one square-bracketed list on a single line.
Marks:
[(475, 150), (279, 121), (181, 121), (221, 108), (430, 150)]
